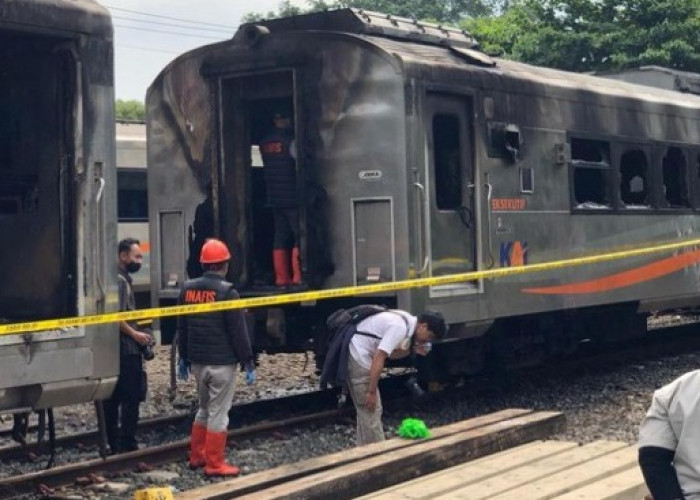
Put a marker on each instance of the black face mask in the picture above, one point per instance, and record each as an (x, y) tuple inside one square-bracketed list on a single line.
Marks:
[(133, 267)]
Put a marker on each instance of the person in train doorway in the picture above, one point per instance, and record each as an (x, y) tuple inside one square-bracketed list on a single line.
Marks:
[(392, 334), (212, 345), (123, 406), (278, 151), (669, 440)]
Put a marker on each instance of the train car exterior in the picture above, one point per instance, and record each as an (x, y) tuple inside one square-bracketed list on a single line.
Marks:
[(659, 76), (57, 201), (132, 199), (417, 156)]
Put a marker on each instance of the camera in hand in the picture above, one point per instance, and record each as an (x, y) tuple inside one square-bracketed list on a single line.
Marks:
[(147, 352)]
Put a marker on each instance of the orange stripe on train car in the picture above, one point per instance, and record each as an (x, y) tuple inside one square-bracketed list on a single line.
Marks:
[(640, 274)]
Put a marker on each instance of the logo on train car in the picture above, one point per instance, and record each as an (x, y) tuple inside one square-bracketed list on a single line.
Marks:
[(513, 253), (370, 175), (508, 204)]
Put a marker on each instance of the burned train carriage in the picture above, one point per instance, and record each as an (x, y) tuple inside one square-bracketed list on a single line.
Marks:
[(417, 155), (57, 200)]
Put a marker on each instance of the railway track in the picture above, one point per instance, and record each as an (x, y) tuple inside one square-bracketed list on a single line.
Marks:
[(257, 418), (240, 414), (26, 484), (311, 408)]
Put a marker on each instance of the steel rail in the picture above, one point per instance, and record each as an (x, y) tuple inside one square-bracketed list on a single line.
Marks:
[(239, 412), (158, 455)]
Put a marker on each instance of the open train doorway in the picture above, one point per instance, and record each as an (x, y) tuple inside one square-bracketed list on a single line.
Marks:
[(260, 202), (37, 181)]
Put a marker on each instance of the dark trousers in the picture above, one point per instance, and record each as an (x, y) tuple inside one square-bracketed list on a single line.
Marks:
[(286, 227), (126, 397)]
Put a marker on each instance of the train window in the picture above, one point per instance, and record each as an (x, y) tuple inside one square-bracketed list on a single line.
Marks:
[(590, 151), (132, 198), (448, 162), (527, 180), (505, 140), (590, 161), (634, 183), (675, 179)]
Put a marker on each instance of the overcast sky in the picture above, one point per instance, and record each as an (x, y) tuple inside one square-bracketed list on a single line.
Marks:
[(149, 34)]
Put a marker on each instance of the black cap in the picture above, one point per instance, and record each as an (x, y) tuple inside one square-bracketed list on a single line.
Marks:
[(435, 321)]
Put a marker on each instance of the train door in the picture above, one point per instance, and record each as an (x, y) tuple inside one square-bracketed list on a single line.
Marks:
[(37, 178), (448, 190), (252, 105)]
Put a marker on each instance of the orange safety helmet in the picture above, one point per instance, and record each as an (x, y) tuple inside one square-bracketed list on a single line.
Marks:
[(214, 251)]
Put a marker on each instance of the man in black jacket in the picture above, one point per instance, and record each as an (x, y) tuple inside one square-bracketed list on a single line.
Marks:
[(214, 343), (278, 151), (123, 405)]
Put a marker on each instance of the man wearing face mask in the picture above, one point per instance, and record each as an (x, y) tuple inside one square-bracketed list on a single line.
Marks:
[(123, 406)]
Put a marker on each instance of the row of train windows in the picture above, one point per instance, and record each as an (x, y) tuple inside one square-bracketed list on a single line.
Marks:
[(629, 180)]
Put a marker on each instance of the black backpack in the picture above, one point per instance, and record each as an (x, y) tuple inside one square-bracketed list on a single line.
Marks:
[(335, 324), (341, 317), (351, 316)]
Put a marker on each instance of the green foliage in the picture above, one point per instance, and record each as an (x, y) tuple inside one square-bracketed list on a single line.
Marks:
[(129, 110), (595, 35), (500, 34), (577, 35), (285, 9)]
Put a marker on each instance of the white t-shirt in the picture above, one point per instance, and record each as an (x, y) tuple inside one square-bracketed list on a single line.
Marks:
[(392, 331), (673, 422)]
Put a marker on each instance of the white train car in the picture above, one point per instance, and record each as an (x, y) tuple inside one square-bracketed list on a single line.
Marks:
[(132, 198)]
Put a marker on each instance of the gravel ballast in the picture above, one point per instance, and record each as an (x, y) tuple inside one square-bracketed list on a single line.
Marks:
[(603, 404)]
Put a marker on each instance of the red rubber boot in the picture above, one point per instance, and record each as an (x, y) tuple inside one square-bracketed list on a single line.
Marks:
[(198, 440), (280, 260), (216, 466)]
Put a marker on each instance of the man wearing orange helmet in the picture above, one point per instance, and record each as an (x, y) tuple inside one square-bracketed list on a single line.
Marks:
[(214, 343)]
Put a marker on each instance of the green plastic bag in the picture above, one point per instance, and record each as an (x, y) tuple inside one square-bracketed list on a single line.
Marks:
[(413, 428)]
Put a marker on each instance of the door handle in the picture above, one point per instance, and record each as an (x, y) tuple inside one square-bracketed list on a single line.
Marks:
[(100, 190), (489, 235), (425, 252)]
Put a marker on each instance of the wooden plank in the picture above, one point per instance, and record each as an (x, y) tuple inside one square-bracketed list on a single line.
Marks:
[(495, 465), (483, 480), (551, 485), (359, 478), (626, 485), (284, 473), (535, 470)]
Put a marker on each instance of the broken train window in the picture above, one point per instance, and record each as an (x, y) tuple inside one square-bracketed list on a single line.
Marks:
[(591, 172), (634, 179), (675, 179)]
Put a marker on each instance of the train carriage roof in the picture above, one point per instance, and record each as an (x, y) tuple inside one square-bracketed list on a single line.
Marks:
[(443, 48), (69, 16), (448, 58), (434, 48)]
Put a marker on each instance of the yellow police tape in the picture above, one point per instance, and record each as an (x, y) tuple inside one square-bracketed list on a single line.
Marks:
[(287, 298)]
